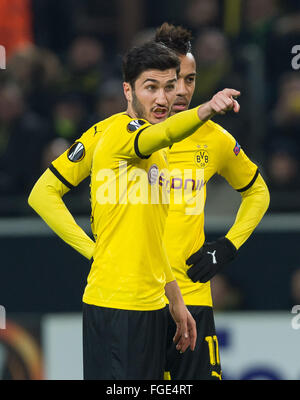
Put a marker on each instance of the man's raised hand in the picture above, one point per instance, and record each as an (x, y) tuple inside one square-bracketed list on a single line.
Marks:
[(220, 103)]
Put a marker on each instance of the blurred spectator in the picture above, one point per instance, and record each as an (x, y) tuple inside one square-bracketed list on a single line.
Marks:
[(98, 19), (23, 135), (275, 29), (38, 72), (214, 63), (225, 296), (288, 23), (201, 14), (110, 100), (53, 150), (85, 68), (285, 35), (282, 142), (192, 14), (130, 19), (258, 20), (217, 69), (69, 117), (283, 167)]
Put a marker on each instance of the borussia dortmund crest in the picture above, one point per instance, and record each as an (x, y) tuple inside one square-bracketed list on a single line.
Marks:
[(201, 158)]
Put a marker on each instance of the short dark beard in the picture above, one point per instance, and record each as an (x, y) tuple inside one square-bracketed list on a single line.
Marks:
[(138, 107)]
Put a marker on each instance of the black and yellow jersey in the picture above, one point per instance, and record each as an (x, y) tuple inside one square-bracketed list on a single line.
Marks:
[(129, 199), (130, 267), (129, 207), (192, 162), (125, 225)]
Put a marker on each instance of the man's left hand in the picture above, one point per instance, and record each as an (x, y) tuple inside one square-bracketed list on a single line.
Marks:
[(210, 259)]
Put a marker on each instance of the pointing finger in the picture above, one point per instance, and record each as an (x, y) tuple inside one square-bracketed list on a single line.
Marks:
[(231, 92)]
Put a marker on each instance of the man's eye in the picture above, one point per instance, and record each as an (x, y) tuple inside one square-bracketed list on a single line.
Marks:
[(170, 87), (150, 87), (191, 79)]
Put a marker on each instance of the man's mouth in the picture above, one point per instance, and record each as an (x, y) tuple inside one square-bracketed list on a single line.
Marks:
[(160, 113), (179, 106)]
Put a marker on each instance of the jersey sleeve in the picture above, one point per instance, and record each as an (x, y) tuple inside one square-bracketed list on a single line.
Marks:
[(46, 199), (255, 202), (235, 166), (131, 138), (172, 130), (74, 165)]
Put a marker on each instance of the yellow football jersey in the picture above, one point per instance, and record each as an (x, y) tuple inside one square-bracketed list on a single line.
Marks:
[(192, 162), (129, 201), (130, 266)]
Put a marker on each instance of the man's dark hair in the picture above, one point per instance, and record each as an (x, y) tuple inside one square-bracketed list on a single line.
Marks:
[(150, 55), (174, 37)]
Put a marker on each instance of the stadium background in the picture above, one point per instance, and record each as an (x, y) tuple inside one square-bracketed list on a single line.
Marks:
[(63, 74)]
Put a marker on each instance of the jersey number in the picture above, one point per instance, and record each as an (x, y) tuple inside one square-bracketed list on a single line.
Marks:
[(213, 348)]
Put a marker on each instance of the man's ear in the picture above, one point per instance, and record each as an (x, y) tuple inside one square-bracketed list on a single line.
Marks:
[(127, 91)]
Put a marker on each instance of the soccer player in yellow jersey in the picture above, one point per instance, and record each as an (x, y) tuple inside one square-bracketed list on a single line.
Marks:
[(209, 150), (124, 319)]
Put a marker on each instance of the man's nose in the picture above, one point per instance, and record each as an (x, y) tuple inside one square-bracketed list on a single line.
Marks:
[(161, 98), (181, 88)]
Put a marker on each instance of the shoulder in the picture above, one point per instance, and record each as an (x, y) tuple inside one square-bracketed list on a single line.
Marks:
[(218, 130), (130, 124), (215, 135), (222, 138), (100, 126), (211, 129), (123, 123)]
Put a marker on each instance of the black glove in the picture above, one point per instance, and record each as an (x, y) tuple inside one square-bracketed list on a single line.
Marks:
[(210, 259)]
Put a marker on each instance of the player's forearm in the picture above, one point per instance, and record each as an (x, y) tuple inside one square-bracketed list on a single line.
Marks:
[(184, 124), (174, 129), (255, 202), (46, 199), (173, 292)]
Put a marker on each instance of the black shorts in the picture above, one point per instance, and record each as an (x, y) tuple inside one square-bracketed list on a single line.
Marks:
[(123, 344), (204, 362)]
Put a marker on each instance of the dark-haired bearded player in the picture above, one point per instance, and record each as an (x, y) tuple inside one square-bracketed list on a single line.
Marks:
[(210, 150)]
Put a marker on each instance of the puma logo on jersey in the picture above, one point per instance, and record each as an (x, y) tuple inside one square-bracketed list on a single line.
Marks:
[(214, 260)]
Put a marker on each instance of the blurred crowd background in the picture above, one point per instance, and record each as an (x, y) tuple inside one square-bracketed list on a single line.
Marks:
[(63, 74)]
